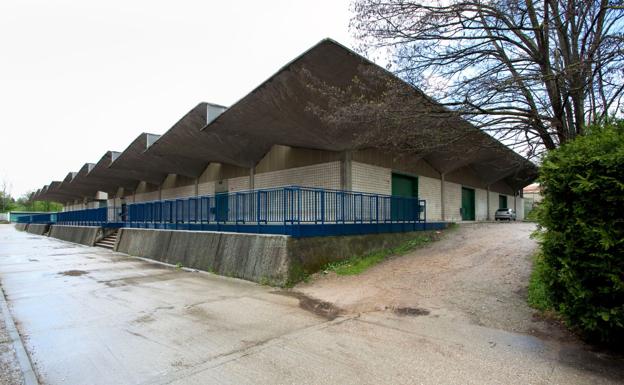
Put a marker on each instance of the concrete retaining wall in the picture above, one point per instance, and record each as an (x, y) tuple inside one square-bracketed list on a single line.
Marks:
[(37, 228), (21, 226), (85, 235), (255, 257), (272, 259), (310, 254)]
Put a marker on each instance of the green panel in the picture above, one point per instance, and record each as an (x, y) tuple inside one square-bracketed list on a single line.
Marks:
[(502, 201), (468, 204), (403, 186)]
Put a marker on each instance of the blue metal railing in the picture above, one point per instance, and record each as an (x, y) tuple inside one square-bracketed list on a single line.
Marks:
[(285, 205), (88, 217), (294, 210), (38, 218)]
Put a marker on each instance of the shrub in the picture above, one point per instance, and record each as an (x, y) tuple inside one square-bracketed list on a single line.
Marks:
[(582, 232)]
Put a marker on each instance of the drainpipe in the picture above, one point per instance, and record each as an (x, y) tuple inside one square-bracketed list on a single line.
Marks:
[(442, 183)]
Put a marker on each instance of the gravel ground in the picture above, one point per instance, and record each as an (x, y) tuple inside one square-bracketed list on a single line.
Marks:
[(477, 272), (10, 373)]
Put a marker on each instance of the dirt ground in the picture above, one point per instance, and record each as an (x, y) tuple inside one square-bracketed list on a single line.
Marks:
[(477, 272)]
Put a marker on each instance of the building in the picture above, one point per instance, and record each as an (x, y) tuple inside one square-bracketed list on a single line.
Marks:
[(269, 139), (532, 195)]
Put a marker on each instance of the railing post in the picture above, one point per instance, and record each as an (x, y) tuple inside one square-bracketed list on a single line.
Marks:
[(323, 206), (299, 199)]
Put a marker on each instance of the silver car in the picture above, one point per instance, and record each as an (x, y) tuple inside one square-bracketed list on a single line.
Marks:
[(505, 215)]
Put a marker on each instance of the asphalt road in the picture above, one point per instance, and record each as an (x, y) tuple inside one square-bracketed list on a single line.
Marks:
[(90, 316)]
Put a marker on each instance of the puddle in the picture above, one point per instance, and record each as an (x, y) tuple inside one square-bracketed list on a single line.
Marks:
[(73, 273), (411, 311), (33, 260), (323, 309)]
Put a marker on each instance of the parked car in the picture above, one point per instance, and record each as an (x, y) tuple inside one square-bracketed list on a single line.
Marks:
[(505, 215)]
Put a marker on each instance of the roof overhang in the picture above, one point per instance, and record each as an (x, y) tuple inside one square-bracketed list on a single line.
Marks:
[(154, 168), (277, 112)]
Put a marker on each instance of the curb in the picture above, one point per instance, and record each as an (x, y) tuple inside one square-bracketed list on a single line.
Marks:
[(30, 378)]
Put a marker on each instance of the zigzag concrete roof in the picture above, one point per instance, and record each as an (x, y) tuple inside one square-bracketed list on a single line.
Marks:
[(152, 167), (110, 180), (276, 113)]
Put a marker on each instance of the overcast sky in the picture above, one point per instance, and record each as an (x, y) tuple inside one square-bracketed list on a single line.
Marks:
[(78, 78)]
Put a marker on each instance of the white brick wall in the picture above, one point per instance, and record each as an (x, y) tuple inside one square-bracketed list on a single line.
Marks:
[(370, 179), (142, 197), (178, 192), (206, 188), (324, 175), (429, 190), (481, 197), (452, 201), (238, 184)]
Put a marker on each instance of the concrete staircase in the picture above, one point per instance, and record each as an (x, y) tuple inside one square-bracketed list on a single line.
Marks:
[(108, 242)]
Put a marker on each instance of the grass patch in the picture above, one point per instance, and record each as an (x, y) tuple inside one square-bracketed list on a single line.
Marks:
[(358, 264), (538, 297)]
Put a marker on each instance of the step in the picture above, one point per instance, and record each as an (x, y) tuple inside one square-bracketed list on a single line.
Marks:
[(107, 241)]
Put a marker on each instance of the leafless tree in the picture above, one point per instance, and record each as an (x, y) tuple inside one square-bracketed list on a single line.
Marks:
[(5, 194), (531, 74)]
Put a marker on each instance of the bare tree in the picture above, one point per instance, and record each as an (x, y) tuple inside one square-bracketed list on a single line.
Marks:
[(5, 195), (531, 74)]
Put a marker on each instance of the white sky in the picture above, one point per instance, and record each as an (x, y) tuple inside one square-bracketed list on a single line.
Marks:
[(80, 77)]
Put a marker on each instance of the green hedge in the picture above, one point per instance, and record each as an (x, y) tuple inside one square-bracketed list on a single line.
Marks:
[(582, 232)]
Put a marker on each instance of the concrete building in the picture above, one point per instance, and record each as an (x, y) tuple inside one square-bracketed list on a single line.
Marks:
[(269, 139)]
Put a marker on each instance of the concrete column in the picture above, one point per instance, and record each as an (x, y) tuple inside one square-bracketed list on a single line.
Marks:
[(197, 187), (487, 189), (159, 192), (252, 178), (442, 183), (346, 182), (515, 202)]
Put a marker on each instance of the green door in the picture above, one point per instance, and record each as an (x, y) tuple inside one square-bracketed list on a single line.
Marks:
[(403, 186), (502, 201), (468, 204)]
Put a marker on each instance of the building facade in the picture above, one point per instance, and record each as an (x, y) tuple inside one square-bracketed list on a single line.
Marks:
[(269, 139)]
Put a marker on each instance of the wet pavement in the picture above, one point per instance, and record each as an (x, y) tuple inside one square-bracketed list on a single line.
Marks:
[(91, 316)]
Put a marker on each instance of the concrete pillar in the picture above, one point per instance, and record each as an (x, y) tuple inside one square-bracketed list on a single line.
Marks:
[(515, 202), (252, 178), (487, 189), (442, 183), (197, 186), (346, 182)]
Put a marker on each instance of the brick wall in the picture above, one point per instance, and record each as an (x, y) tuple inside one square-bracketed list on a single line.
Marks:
[(452, 201), (240, 183), (206, 188), (429, 190), (481, 198), (142, 197), (371, 179), (324, 175)]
